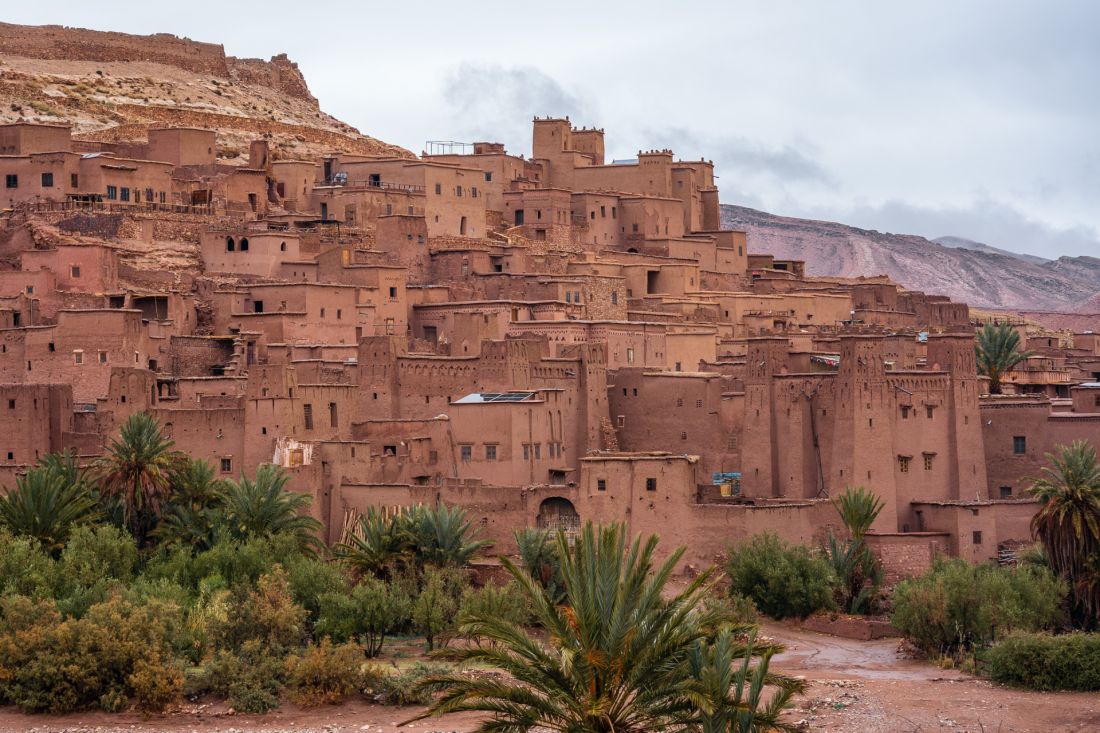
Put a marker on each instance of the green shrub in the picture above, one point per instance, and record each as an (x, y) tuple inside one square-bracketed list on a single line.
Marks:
[(957, 605), (156, 684), (403, 687), (26, 569), (250, 679), (1045, 662), (311, 578), (734, 608), (59, 665), (324, 674), (266, 614), (504, 602), (369, 612), (434, 610), (780, 579)]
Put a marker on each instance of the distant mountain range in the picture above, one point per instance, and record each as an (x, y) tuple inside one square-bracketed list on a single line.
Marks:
[(971, 272)]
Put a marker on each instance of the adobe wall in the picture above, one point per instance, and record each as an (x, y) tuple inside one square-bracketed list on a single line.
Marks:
[(75, 44)]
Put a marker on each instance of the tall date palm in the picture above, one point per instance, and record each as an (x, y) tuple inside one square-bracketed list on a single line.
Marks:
[(618, 655), (1068, 523), (998, 351), (137, 472)]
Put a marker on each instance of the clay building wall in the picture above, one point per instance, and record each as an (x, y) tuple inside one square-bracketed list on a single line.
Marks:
[(25, 138), (244, 252), (182, 146), (33, 419), (85, 268), (294, 181), (38, 177), (653, 411), (123, 181)]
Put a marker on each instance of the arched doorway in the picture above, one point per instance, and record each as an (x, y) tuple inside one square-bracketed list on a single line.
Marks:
[(556, 514)]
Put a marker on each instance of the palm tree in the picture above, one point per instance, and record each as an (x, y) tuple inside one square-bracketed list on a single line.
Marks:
[(191, 514), (442, 535), (49, 502), (859, 572), (618, 655), (858, 509), (538, 552), (997, 352), (1068, 523), (263, 508), (374, 543), (137, 472)]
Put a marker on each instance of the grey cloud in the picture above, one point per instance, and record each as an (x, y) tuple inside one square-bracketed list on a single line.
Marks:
[(491, 102), (741, 157)]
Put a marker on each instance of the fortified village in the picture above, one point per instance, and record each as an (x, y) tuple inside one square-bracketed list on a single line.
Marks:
[(540, 341)]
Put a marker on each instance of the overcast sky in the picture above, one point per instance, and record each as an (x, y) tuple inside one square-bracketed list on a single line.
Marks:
[(978, 119)]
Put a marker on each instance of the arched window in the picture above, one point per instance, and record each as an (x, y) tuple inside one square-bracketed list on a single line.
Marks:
[(462, 226), (282, 246), (230, 245), (244, 244)]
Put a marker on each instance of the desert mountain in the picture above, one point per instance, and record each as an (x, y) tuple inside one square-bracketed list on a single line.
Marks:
[(980, 276), (964, 243), (113, 86)]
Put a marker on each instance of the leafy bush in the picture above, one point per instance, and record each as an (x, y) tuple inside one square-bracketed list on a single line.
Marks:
[(266, 614), (434, 610), (504, 602), (733, 609), (780, 579), (55, 665), (957, 605), (1044, 662), (404, 687), (250, 679), (156, 684), (25, 569), (324, 674), (371, 611)]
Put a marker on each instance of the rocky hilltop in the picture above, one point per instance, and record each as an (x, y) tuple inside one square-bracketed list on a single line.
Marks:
[(114, 86), (982, 277)]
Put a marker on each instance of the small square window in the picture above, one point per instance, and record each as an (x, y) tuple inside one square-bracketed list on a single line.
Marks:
[(538, 451), (601, 484), (466, 452), (74, 271), (1019, 444), (526, 451), (393, 293), (903, 464), (11, 180), (1006, 492), (78, 357), (929, 410), (103, 357), (47, 180), (11, 404), (927, 462), (227, 465), (651, 484), (490, 452), (977, 538)]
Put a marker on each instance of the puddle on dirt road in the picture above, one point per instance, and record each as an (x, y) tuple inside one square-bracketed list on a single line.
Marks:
[(831, 657)]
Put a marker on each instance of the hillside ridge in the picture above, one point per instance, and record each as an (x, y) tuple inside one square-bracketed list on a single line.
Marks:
[(983, 278)]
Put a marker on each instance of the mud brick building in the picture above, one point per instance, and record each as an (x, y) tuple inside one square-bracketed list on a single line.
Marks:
[(540, 340)]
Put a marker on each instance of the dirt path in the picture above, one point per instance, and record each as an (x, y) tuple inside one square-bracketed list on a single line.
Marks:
[(868, 687)]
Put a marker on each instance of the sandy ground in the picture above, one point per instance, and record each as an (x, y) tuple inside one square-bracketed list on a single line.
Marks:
[(857, 686)]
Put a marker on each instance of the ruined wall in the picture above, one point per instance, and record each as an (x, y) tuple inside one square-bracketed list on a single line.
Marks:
[(77, 44)]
